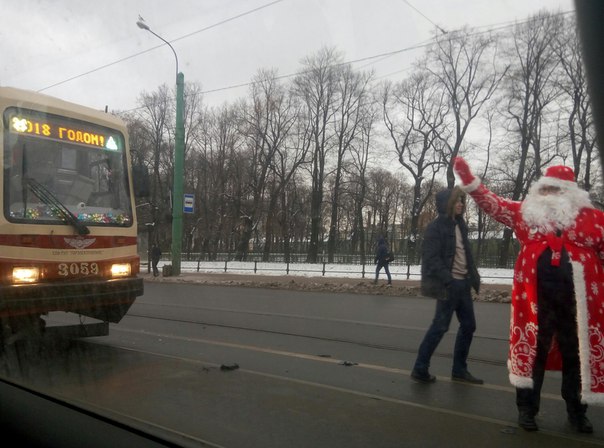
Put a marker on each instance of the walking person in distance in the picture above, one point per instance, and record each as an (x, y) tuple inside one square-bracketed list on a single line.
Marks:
[(382, 259), (155, 256), (448, 273)]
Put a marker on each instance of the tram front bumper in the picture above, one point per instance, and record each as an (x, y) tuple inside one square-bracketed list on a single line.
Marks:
[(102, 299)]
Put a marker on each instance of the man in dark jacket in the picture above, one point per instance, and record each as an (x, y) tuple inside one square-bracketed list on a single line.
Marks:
[(448, 274), (155, 256), (382, 258)]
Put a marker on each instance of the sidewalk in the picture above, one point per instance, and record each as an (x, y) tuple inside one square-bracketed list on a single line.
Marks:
[(401, 288)]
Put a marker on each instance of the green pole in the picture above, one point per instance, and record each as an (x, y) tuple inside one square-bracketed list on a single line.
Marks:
[(179, 155)]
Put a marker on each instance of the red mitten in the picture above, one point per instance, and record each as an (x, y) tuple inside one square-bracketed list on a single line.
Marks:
[(463, 170)]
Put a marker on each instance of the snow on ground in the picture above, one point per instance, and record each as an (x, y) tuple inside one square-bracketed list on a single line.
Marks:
[(399, 272)]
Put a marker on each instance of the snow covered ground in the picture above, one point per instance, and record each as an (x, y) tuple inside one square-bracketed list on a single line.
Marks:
[(489, 276)]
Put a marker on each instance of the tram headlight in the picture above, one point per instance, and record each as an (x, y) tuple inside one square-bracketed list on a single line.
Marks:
[(120, 270), (25, 275)]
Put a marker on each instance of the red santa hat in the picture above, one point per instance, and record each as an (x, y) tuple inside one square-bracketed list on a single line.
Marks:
[(559, 176), (562, 177)]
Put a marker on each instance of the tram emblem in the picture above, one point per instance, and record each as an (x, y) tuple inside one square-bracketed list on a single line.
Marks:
[(79, 243)]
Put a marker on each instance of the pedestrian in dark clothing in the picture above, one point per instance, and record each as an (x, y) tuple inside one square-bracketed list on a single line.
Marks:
[(448, 274), (382, 258), (155, 256)]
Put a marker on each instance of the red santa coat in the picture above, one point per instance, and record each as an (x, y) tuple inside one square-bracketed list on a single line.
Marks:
[(584, 242)]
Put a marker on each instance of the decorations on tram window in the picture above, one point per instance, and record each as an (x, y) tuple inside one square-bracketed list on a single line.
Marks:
[(104, 218), (45, 213)]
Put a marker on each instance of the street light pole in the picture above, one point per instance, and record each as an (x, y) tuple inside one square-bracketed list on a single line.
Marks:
[(179, 155)]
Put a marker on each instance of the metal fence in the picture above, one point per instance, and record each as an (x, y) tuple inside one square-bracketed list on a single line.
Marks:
[(399, 271), (486, 261), (307, 268)]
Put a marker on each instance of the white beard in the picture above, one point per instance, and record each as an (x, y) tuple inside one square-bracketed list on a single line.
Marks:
[(554, 211)]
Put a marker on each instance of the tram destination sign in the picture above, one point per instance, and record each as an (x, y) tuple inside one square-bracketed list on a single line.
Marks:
[(58, 128)]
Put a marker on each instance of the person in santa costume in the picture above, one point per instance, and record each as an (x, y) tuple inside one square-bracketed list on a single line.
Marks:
[(557, 315)]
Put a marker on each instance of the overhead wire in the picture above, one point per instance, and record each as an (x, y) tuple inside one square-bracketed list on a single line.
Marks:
[(290, 75), (495, 27), (490, 28), (425, 17), (222, 22)]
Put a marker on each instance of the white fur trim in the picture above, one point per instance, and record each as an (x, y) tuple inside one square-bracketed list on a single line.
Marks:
[(471, 186), (556, 182), (591, 398), (521, 382), (583, 331)]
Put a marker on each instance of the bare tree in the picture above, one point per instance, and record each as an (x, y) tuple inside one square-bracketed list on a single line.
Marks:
[(288, 161), (215, 154), (577, 105), (484, 220), (530, 89), (154, 113), (193, 119), (350, 107), (316, 85), (358, 173), (414, 112), (465, 67), (274, 126), (382, 200), (265, 126), (194, 115)]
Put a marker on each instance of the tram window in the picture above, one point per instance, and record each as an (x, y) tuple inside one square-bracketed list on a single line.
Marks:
[(91, 183)]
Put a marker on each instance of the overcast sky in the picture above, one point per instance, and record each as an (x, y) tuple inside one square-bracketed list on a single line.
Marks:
[(93, 53)]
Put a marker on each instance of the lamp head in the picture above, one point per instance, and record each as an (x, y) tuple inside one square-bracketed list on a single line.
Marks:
[(142, 25)]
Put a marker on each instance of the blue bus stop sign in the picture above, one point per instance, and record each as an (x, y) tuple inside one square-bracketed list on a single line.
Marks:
[(188, 203)]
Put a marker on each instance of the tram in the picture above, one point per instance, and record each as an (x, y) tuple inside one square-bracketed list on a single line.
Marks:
[(68, 230)]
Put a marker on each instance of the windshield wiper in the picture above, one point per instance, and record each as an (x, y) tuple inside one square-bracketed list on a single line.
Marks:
[(56, 206)]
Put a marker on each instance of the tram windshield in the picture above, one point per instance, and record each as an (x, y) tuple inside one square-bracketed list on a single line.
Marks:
[(57, 169)]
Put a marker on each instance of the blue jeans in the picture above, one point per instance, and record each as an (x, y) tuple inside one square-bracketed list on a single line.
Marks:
[(458, 301), (380, 265)]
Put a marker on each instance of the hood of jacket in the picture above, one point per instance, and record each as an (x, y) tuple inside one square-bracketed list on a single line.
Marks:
[(446, 201), (442, 201)]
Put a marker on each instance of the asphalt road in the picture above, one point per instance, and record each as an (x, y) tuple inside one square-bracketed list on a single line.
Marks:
[(252, 367)]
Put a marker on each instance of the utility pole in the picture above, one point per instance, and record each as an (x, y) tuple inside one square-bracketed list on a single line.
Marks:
[(179, 155)]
